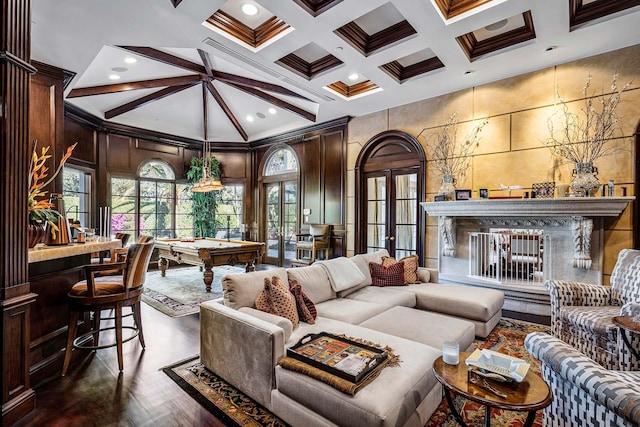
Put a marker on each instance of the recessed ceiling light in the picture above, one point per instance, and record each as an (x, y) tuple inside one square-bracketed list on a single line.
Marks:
[(249, 9), (249, 118), (550, 48), (272, 110), (114, 77), (353, 76), (260, 115), (497, 25), (468, 72), (130, 60)]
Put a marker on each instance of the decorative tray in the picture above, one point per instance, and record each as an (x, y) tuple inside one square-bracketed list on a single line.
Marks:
[(491, 361), (337, 355)]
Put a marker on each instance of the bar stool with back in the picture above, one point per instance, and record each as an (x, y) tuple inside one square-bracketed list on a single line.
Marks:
[(109, 292)]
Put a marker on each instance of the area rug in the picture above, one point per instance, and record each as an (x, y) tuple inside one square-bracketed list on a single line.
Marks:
[(234, 408), (182, 290)]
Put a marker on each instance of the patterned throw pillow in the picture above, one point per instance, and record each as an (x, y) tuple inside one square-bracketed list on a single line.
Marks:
[(276, 299), (410, 267), (306, 308), (387, 276)]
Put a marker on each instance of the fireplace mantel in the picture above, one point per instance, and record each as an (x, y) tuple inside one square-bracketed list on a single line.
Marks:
[(530, 208)]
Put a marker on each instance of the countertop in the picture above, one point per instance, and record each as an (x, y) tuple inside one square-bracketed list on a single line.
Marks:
[(46, 253)]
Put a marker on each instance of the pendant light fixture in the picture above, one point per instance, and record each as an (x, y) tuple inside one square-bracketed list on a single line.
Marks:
[(208, 182)]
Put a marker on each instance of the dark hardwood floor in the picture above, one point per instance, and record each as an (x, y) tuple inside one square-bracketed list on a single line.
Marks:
[(94, 393)]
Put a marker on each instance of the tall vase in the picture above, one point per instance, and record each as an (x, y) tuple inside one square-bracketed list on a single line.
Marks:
[(35, 234), (448, 187), (585, 179)]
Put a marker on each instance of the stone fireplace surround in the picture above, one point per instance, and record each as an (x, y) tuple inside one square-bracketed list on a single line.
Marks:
[(575, 230)]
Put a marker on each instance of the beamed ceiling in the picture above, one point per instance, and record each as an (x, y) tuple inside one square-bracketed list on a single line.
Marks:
[(205, 70)]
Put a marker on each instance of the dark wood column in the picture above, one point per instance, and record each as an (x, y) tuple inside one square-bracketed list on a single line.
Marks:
[(18, 399)]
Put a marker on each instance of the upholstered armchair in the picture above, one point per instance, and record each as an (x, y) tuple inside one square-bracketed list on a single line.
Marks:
[(582, 314), (584, 393), (318, 239)]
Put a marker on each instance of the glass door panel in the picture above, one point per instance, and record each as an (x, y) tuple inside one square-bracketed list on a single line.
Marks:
[(281, 222), (273, 223), (406, 215), (290, 221), (376, 213)]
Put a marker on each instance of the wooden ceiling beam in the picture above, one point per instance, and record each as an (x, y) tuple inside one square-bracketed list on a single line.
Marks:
[(129, 106), (142, 84), (216, 95), (206, 60), (167, 58), (257, 84)]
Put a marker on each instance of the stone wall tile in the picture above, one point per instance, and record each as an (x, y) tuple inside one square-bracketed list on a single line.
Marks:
[(363, 128), (529, 128)]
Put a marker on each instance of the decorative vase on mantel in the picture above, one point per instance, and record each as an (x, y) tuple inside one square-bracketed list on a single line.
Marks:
[(35, 234), (585, 179), (448, 187)]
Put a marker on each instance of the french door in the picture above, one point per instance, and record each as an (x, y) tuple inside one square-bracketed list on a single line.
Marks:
[(391, 211), (281, 221)]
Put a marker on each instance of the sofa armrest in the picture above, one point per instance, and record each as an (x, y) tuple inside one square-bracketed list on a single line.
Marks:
[(567, 365), (241, 348), (280, 321), (630, 309), (427, 275), (564, 293)]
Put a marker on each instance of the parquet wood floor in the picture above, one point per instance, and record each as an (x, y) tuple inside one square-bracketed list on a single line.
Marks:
[(94, 393)]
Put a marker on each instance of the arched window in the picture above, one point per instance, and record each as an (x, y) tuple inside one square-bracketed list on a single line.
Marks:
[(156, 169), (280, 162)]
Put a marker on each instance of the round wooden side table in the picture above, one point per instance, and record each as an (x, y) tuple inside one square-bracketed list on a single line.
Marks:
[(627, 324), (530, 395)]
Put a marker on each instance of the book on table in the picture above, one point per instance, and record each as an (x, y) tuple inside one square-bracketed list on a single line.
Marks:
[(339, 356)]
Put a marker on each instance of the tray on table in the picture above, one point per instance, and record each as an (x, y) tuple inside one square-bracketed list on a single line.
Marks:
[(339, 356)]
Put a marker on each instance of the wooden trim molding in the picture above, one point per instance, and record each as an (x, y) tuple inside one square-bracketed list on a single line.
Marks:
[(451, 8), (353, 90), (269, 29), (475, 49), (308, 70), (316, 7), (367, 44), (580, 14), (402, 74)]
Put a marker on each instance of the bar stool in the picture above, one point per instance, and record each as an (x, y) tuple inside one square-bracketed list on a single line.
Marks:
[(105, 293)]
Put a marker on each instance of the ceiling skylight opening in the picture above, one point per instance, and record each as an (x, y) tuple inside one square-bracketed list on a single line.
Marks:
[(130, 60), (272, 110), (114, 77), (249, 9)]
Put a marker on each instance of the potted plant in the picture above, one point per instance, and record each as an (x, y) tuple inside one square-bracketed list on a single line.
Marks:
[(449, 155), (585, 136), (40, 209)]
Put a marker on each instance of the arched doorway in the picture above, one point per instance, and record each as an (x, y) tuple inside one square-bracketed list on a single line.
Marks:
[(390, 179), (280, 176)]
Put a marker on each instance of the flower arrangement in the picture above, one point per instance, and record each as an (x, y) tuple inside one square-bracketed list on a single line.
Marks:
[(587, 135), (40, 210), (449, 154)]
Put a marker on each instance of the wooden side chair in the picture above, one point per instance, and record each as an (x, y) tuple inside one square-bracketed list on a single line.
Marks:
[(318, 239), (105, 293)]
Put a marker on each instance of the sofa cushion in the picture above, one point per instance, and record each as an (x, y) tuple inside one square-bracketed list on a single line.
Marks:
[(388, 401), (306, 308), (392, 275), (314, 281), (422, 326), (410, 267), (343, 273), (276, 299), (350, 311), (594, 320), (362, 261), (469, 302), (241, 290), (388, 295)]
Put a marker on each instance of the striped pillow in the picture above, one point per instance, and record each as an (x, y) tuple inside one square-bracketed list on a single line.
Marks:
[(387, 276), (410, 267), (306, 308), (276, 299)]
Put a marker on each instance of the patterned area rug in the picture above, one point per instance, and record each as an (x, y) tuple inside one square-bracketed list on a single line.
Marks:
[(235, 409), (182, 290)]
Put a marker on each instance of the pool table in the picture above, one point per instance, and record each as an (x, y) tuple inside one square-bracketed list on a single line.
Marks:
[(208, 252)]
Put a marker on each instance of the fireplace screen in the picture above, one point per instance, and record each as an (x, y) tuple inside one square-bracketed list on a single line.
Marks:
[(513, 256)]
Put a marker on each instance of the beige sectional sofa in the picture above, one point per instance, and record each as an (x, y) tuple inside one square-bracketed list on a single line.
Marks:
[(243, 345)]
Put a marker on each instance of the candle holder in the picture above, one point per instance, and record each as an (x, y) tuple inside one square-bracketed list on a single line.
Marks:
[(450, 352)]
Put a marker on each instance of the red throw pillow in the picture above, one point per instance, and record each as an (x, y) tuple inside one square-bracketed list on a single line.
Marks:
[(387, 276), (306, 308)]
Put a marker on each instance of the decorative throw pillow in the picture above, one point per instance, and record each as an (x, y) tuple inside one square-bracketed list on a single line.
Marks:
[(410, 267), (387, 276), (276, 299), (306, 308)]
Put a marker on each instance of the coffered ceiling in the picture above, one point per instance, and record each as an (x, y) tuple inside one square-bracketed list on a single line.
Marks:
[(207, 70)]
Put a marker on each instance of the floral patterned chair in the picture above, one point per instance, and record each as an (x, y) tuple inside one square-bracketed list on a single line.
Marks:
[(582, 314), (584, 393)]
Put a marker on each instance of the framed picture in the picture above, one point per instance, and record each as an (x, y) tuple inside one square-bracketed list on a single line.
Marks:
[(440, 198), (463, 194), (543, 190), (483, 193)]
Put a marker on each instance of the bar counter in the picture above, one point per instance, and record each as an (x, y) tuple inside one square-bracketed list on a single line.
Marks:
[(53, 270)]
